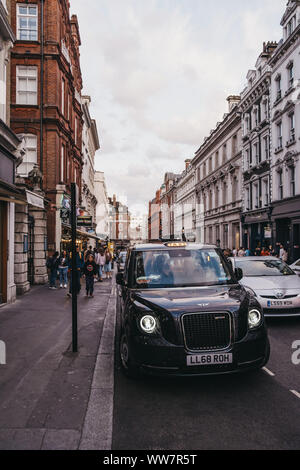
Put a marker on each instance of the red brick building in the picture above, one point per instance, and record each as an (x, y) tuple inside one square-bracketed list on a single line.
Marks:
[(46, 86)]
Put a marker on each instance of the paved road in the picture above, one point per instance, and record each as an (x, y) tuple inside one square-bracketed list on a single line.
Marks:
[(249, 411)]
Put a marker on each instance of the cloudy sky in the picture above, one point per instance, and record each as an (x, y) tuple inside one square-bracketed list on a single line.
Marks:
[(159, 72)]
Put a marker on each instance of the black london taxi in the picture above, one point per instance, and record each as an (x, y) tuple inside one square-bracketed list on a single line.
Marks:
[(183, 312)]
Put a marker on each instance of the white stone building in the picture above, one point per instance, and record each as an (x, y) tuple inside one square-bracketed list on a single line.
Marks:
[(255, 108), (167, 198), (90, 145), (218, 172), (285, 144), (185, 204), (102, 208)]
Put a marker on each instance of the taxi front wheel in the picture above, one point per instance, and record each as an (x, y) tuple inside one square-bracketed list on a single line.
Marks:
[(128, 366)]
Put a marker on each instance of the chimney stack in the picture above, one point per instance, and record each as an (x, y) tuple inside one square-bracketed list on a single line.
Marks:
[(187, 163), (233, 100)]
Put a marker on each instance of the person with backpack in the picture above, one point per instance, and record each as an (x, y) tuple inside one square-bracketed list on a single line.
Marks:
[(52, 265), (107, 266), (90, 271)]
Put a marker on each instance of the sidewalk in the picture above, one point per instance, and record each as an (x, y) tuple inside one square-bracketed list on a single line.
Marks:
[(45, 390)]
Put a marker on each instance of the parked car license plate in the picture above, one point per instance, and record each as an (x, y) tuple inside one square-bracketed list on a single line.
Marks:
[(279, 303), (209, 359)]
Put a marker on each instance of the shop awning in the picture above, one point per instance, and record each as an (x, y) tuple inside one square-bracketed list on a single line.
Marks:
[(82, 233)]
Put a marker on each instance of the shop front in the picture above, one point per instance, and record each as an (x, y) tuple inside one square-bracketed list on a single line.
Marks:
[(286, 218), (257, 231)]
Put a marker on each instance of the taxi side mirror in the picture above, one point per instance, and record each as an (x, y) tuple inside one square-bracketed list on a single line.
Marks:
[(239, 273), (120, 279)]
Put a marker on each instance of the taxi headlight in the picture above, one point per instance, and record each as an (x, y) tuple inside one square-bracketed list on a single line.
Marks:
[(254, 318), (148, 324)]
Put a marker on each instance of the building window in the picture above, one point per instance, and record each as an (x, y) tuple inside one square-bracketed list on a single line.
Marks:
[(248, 201), (62, 164), (280, 185), (256, 153), (266, 192), (292, 127), (27, 22), (225, 235), (234, 145), (63, 97), (266, 109), (278, 87), (256, 192), (26, 85), (292, 181), (210, 164), (224, 153), (30, 156), (224, 194), (290, 69), (266, 147), (279, 135), (234, 189), (217, 196), (217, 159), (75, 133)]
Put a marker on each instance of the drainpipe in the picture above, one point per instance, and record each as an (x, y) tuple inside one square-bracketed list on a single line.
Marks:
[(42, 91)]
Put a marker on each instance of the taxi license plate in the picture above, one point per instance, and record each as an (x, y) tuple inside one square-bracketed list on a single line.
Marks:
[(209, 359), (279, 303)]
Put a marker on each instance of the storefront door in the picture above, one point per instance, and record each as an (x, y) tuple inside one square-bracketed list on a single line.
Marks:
[(296, 242), (3, 252)]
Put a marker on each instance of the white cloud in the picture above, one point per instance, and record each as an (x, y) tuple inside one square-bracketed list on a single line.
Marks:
[(159, 73)]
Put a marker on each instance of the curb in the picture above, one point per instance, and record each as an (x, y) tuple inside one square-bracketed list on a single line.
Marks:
[(98, 423)]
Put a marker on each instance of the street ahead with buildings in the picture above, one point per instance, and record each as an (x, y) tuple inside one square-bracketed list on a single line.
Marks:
[(240, 189), (182, 306)]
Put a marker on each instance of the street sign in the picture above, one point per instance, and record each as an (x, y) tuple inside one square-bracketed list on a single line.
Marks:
[(85, 221)]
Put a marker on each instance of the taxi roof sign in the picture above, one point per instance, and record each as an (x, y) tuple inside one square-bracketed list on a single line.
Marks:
[(176, 244)]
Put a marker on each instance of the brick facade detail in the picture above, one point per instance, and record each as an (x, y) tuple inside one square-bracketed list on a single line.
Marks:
[(57, 55)]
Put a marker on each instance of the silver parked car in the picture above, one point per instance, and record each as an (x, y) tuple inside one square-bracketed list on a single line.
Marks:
[(273, 282), (296, 267)]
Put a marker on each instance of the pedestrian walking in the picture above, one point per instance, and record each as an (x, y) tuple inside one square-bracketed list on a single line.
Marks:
[(241, 252), (52, 265), (63, 267), (107, 266), (79, 267), (90, 271), (102, 261), (88, 252)]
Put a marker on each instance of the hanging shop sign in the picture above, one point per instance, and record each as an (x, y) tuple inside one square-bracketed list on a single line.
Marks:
[(268, 232), (85, 221)]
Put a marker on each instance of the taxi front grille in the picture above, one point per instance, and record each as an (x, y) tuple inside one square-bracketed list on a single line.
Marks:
[(207, 331)]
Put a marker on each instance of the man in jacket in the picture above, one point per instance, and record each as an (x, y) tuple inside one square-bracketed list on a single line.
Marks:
[(52, 264)]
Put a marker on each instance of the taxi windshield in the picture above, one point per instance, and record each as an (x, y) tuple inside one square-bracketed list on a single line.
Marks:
[(180, 268)]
